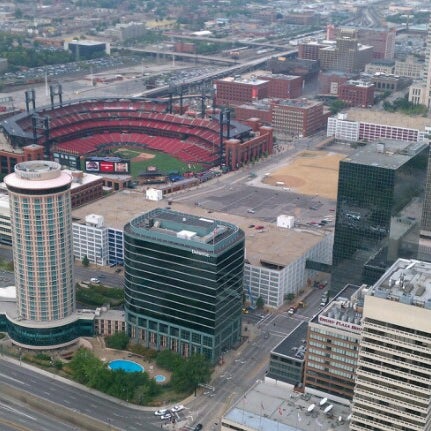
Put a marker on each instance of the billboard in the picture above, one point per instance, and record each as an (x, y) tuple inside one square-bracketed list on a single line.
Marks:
[(107, 165), (69, 160)]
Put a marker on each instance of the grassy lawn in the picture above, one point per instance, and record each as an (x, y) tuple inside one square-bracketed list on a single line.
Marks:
[(96, 294), (163, 162)]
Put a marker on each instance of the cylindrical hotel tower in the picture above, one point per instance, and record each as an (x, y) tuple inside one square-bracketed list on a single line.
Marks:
[(40, 210)]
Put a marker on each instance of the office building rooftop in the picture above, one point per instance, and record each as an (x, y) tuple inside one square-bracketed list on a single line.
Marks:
[(407, 282), (180, 228), (386, 154)]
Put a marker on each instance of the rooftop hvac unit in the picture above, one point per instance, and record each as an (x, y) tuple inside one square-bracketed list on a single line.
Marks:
[(328, 409), (311, 408)]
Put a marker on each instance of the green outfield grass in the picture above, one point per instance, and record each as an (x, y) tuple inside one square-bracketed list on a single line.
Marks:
[(164, 162)]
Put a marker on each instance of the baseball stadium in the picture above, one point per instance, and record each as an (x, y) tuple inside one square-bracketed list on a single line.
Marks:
[(141, 131)]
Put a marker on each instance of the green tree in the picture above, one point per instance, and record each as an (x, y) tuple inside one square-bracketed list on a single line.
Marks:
[(260, 303), (289, 297), (192, 372), (336, 106), (118, 341), (168, 360), (85, 261)]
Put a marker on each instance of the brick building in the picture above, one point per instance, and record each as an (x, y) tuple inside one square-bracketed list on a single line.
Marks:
[(330, 81), (239, 153), (283, 86), (186, 47), (261, 109), (236, 90), (293, 117), (357, 93), (298, 117), (9, 158), (382, 40), (308, 69)]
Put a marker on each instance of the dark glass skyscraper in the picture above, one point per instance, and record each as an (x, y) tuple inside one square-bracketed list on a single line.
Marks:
[(379, 207), (183, 282)]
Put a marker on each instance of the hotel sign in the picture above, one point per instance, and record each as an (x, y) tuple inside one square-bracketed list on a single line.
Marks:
[(324, 320)]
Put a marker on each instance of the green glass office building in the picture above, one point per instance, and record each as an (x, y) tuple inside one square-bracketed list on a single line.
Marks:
[(183, 282), (379, 207)]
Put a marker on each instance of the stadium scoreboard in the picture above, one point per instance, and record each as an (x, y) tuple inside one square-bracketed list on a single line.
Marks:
[(107, 165)]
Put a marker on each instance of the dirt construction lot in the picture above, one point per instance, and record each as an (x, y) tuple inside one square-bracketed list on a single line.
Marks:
[(310, 173)]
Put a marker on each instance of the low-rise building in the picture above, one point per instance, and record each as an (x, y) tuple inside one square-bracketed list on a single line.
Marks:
[(361, 124), (380, 66), (286, 360), (386, 82), (357, 93), (298, 117), (277, 407), (330, 81), (90, 240), (275, 257), (108, 322), (411, 67)]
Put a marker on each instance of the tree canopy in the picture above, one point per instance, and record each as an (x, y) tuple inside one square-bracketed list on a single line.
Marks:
[(190, 373)]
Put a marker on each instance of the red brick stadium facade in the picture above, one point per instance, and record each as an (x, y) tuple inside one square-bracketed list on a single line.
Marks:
[(84, 128)]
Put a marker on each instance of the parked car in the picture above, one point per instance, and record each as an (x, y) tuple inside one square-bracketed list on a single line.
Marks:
[(161, 412), (177, 408), (166, 416), (94, 280)]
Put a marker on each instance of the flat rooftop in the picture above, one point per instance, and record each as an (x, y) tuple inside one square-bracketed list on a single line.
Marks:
[(279, 76), (299, 103), (182, 228), (386, 154), (406, 281), (246, 81), (275, 244), (270, 407), (387, 118), (293, 345)]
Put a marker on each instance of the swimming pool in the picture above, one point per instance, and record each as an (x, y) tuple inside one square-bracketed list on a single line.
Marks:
[(125, 365), (159, 378)]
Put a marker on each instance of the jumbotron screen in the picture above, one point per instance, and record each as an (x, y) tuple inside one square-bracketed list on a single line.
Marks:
[(107, 165)]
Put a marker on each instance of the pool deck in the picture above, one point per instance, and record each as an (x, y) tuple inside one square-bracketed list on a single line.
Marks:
[(107, 355)]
